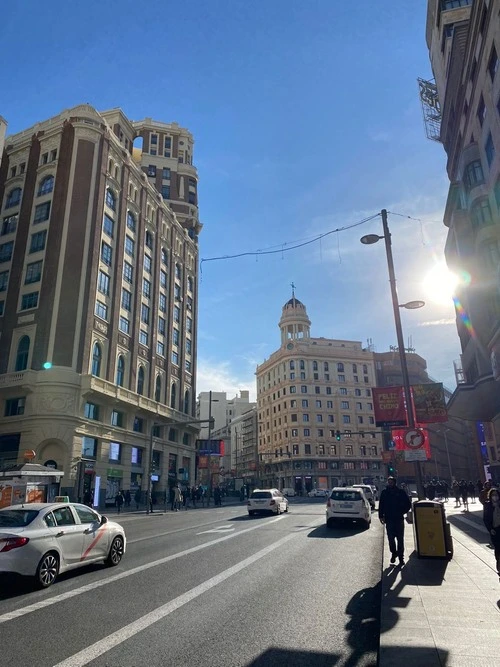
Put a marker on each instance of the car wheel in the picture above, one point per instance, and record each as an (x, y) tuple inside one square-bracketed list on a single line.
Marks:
[(47, 570), (116, 551), (278, 509), (286, 508), (330, 523), (367, 524)]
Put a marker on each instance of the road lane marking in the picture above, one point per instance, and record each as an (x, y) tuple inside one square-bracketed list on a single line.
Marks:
[(220, 529), (107, 643), (36, 606), (171, 532)]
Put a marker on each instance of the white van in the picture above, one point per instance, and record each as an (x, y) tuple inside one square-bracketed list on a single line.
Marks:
[(288, 492)]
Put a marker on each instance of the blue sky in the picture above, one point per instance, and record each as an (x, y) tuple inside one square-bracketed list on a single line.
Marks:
[(306, 118)]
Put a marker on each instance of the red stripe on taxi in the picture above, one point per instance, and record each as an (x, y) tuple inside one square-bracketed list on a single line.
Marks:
[(100, 533)]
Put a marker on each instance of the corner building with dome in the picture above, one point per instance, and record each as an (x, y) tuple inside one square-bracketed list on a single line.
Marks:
[(316, 424)]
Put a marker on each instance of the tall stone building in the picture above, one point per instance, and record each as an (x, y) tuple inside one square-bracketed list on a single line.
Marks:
[(464, 46), (98, 299), (308, 390)]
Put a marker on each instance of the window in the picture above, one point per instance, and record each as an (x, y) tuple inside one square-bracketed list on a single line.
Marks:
[(33, 272), (143, 337), (114, 451), (147, 263), (136, 457), (106, 253), (45, 158), (145, 313), (101, 310), (14, 406), (175, 358), (6, 250), (161, 325), (154, 139), (373, 450), (493, 63), (173, 395), (128, 272), (148, 240), (188, 346), (344, 405), (473, 174), (489, 149), (29, 301), (319, 419), (163, 278), (46, 186), (177, 292), (165, 191), (4, 279), (38, 241), (13, 198), (89, 447), (178, 271), (9, 225), (190, 284), (42, 212), (116, 418), (126, 299), (91, 411), (189, 324), (328, 391), (164, 257), (23, 349), (162, 303), (140, 380), (307, 449), (362, 450), (96, 359), (346, 419), (481, 213), (303, 389), (357, 392), (152, 170), (165, 173), (341, 378), (102, 283), (177, 314), (129, 246), (349, 450), (360, 419), (368, 392), (110, 199), (305, 417), (175, 336), (189, 303), (131, 222), (481, 111), (158, 389), (124, 324), (120, 371)]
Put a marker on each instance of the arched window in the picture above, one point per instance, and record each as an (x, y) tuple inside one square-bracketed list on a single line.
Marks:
[(149, 240), (46, 186), (340, 367), (158, 389), (292, 365), (186, 403), (173, 395), (23, 349), (96, 360), (140, 381), (190, 284), (120, 371), (110, 199), (13, 198)]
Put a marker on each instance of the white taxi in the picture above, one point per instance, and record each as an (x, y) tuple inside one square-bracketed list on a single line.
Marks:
[(41, 540), (347, 502), (267, 500)]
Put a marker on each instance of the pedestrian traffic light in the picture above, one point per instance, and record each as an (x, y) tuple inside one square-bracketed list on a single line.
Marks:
[(391, 469), (337, 435)]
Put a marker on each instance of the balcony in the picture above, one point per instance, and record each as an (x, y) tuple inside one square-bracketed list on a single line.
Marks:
[(105, 389), (21, 379)]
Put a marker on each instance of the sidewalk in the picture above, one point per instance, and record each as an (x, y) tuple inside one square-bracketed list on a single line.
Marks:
[(438, 612), (162, 509)]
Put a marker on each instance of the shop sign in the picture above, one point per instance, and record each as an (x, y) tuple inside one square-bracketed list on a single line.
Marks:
[(114, 472)]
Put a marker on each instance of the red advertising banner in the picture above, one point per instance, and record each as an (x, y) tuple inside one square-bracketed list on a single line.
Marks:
[(389, 406), (414, 442), (429, 403)]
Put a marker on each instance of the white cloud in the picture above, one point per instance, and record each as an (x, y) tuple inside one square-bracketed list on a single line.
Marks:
[(379, 136), (220, 376), (437, 323)]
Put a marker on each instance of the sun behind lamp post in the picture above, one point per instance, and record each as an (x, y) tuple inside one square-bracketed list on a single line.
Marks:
[(370, 239)]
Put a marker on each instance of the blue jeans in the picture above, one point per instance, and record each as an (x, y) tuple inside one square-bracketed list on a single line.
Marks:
[(395, 532)]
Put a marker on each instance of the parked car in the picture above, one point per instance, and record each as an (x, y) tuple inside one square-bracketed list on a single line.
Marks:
[(348, 503), (41, 540), (368, 493), (288, 492), (267, 500), (318, 493)]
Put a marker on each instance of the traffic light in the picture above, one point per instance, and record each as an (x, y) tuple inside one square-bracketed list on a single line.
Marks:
[(391, 470), (337, 435)]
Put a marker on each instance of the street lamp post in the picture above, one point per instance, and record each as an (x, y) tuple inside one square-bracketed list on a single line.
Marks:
[(444, 432), (368, 240)]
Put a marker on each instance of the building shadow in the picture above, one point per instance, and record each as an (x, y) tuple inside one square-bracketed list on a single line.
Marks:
[(476, 533), (279, 657)]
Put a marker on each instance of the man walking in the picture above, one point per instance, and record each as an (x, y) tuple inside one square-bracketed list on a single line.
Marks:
[(392, 507)]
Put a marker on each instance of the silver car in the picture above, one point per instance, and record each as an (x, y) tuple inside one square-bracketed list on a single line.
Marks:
[(41, 540)]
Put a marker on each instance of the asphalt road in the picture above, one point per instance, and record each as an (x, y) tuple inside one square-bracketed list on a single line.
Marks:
[(209, 587)]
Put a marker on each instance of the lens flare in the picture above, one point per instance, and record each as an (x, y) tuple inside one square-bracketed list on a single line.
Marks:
[(462, 313)]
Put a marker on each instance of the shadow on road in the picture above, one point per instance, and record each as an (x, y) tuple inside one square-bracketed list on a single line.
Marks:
[(363, 625), (278, 657), (344, 531)]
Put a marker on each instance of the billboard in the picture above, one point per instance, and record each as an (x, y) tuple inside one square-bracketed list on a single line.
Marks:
[(389, 406), (430, 406), (212, 447)]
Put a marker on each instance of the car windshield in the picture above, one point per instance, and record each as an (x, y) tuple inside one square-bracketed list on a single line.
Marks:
[(17, 518), (261, 494), (346, 495)]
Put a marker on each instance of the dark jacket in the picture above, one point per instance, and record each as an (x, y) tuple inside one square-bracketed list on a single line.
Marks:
[(393, 504), (488, 516)]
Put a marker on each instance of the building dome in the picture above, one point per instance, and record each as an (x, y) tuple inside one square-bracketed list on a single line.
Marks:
[(294, 323)]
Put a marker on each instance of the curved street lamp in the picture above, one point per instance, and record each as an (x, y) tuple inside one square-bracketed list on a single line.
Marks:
[(370, 239)]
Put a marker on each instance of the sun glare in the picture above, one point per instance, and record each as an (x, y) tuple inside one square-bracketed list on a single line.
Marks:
[(440, 284)]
